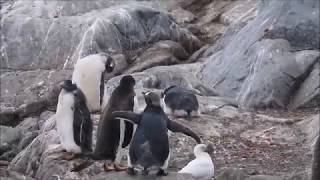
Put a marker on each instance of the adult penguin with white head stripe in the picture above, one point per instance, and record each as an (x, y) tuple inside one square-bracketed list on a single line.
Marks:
[(149, 149), (88, 75), (73, 120)]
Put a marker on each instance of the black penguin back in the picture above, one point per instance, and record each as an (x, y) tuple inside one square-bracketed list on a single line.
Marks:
[(82, 123), (179, 98), (150, 144)]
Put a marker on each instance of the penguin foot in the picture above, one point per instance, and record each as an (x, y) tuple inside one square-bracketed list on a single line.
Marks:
[(109, 167), (162, 172), (68, 156), (119, 167), (131, 171), (145, 172)]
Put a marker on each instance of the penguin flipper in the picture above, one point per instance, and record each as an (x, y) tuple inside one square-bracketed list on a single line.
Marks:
[(127, 115), (176, 127)]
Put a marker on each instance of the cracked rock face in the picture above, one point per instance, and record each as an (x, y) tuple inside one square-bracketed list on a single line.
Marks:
[(42, 41), (257, 67), (259, 54)]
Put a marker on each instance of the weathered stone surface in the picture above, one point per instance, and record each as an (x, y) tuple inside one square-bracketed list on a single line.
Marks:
[(111, 29), (240, 11), (308, 94), (9, 138), (234, 68), (25, 93), (310, 126), (298, 22), (182, 16), (232, 174), (161, 53), (42, 41), (123, 176), (264, 177)]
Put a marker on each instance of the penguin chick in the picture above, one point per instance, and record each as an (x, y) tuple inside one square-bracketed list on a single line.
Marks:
[(201, 167), (180, 102)]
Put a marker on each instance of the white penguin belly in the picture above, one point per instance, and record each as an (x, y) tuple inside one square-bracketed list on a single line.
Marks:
[(64, 122), (90, 86), (87, 75)]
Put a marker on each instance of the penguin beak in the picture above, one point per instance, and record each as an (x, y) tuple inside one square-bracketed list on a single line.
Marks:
[(109, 64)]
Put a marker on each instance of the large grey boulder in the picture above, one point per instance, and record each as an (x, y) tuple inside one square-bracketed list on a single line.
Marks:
[(25, 93), (242, 69), (161, 53), (308, 94), (42, 41), (80, 29)]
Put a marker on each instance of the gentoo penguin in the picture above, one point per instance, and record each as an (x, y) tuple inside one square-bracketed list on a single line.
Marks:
[(88, 75), (180, 101), (73, 120), (108, 135), (201, 168), (316, 161), (149, 149)]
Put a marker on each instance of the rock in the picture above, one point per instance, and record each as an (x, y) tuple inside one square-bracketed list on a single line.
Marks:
[(28, 160), (310, 126), (34, 59), (161, 53), (264, 177), (298, 24), (273, 73), (124, 176), (232, 174), (234, 67), (26, 140), (270, 135), (16, 139), (250, 81), (141, 24), (28, 93), (240, 11), (28, 125), (308, 94), (9, 140), (182, 16)]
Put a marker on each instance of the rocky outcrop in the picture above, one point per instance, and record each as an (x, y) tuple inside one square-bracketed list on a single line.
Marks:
[(242, 69), (42, 41), (259, 54)]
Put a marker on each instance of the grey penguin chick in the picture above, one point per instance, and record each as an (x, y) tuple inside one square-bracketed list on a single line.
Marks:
[(202, 167), (179, 101), (149, 149), (109, 131)]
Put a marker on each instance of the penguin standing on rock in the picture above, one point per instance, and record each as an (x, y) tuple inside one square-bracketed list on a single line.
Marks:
[(73, 120), (202, 167), (149, 149), (109, 131), (88, 75), (180, 102)]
